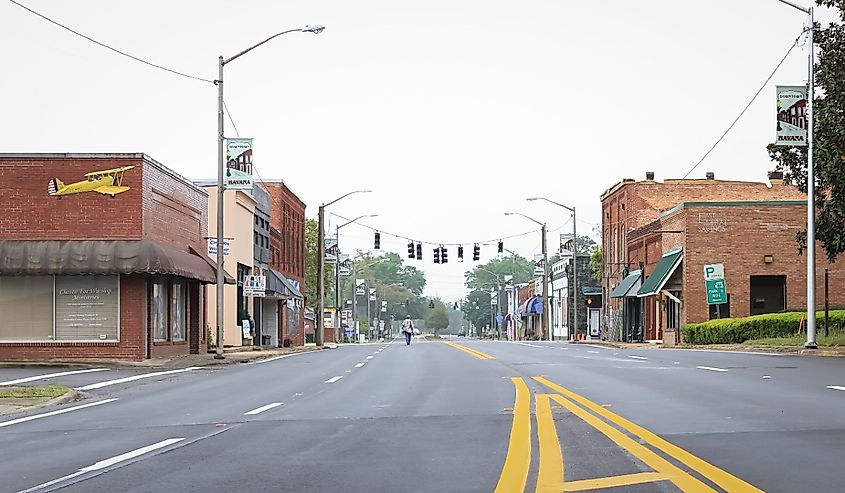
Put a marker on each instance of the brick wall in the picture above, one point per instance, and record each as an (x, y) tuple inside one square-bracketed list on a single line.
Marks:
[(174, 212), (31, 214)]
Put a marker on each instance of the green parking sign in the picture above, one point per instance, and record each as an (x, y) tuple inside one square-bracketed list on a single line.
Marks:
[(717, 292)]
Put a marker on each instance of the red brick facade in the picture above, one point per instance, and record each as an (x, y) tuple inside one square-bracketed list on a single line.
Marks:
[(159, 206)]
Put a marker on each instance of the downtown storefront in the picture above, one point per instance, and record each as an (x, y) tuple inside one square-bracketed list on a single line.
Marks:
[(101, 299)]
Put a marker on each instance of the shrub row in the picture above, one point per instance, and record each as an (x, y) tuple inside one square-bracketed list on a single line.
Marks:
[(737, 330)]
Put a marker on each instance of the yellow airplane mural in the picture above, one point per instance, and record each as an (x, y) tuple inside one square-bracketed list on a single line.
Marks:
[(106, 182)]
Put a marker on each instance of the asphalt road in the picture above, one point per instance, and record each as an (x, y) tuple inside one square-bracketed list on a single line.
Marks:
[(468, 417)]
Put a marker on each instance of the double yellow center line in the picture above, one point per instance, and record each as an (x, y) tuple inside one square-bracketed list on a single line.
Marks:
[(477, 354), (550, 473)]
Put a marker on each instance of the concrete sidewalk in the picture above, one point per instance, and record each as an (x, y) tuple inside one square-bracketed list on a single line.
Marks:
[(835, 351), (232, 355)]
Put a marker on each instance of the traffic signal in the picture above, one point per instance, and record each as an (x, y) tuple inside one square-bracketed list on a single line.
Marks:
[(593, 300), (443, 257), (431, 304), (419, 251), (460, 254), (377, 241), (437, 255), (476, 252), (411, 250), (501, 247)]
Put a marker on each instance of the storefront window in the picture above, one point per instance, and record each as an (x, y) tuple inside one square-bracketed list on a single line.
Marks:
[(26, 308), (177, 311), (86, 308), (158, 311)]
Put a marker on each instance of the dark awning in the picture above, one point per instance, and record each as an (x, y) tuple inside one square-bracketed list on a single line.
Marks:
[(629, 286), (661, 273), (103, 257), (295, 292)]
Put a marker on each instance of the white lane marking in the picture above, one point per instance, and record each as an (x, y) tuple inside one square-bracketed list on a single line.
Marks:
[(369, 357), (107, 383), (261, 409), (599, 347), (637, 357), (130, 455), (526, 344), (836, 387), (677, 362), (710, 368), (334, 379), (766, 377), (359, 365), (54, 413), (722, 351), (50, 375), (593, 352)]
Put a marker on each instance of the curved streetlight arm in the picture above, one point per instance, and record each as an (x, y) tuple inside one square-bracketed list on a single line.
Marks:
[(570, 209), (346, 195), (802, 9), (490, 272), (356, 219), (307, 29), (526, 217)]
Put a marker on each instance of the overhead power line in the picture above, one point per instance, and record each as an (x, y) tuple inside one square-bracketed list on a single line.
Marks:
[(89, 38), (794, 44)]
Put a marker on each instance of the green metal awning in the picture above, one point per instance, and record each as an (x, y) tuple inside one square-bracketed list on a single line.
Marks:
[(629, 286), (662, 272)]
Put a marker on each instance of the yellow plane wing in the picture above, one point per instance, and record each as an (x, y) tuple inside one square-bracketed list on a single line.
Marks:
[(109, 171), (111, 190)]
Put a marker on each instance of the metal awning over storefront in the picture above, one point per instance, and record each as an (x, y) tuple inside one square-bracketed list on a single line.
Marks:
[(629, 286), (281, 286), (662, 272), (103, 257)]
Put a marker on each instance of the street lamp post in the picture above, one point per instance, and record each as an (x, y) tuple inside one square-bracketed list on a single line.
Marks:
[(544, 316), (811, 187), (317, 29), (492, 311), (574, 262), (321, 266), (337, 272)]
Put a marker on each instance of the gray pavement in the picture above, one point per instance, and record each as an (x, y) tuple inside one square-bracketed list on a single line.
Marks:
[(431, 417)]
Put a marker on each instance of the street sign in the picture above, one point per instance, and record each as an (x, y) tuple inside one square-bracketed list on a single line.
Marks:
[(714, 271), (255, 285), (212, 247), (717, 292)]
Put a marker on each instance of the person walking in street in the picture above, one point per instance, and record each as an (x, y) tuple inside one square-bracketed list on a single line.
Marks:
[(408, 329)]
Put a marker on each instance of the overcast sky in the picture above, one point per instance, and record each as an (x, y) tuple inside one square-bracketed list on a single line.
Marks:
[(453, 112)]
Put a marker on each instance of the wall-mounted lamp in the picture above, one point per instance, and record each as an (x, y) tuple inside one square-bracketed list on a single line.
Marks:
[(768, 259)]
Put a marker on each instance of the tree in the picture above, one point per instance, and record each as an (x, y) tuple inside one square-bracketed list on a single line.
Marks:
[(595, 263), (437, 318), (829, 139), (311, 240)]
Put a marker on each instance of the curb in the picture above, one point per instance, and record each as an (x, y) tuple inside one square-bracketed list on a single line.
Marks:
[(69, 396)]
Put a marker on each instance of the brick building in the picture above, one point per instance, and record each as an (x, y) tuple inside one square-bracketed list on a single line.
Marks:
[(658, 237), (287, 254), (108, 266)]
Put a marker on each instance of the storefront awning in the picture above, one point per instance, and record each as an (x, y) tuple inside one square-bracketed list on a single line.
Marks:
[(281, 285), (531, 306), (103, 257), (662, 272), (629, 286)]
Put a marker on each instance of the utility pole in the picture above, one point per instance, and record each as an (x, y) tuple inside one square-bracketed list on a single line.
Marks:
[(575, 270), (545, 284), (321, 266)]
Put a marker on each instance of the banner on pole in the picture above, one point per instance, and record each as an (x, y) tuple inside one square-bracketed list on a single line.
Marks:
[(372, 294), (359, 287), (791, 116), (238, 174), (344, 264), (331, 250), (539, 263)]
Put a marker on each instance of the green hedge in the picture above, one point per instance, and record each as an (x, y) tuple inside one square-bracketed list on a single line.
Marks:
[(737, 330)]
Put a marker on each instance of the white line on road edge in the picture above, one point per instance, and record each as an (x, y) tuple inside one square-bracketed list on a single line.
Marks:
[(54, 413), (50, 375), (369, 357), (636, 357), (98, 466), (710, 368), (836, 387), (359, 365), (526, 344), (598, 347), (262, 409), (593, 352), (107, 383), (334, 379)]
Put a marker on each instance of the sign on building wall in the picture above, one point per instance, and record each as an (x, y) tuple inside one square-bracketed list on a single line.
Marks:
[(714, 278), (86, 308), (106, 182), (791, 115), (238, 173)]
